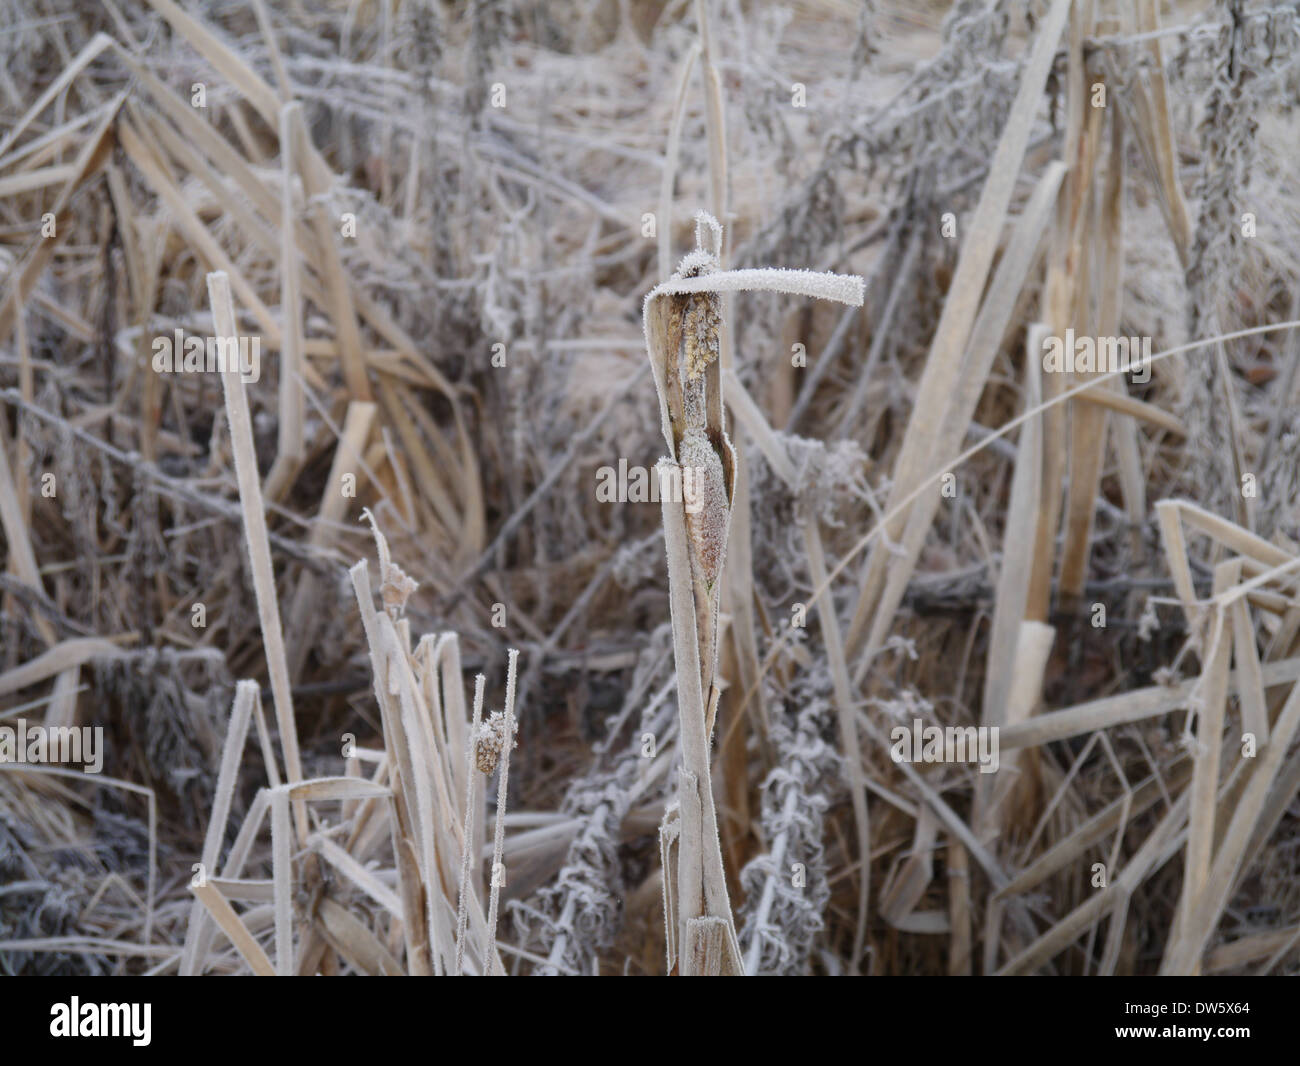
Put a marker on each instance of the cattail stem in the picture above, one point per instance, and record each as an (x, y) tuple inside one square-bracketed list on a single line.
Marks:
[(467, 846), (498, 838)]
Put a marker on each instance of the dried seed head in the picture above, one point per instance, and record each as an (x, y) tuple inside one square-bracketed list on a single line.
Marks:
[(700, 327), (396, 589), (396, 585), (491, 741), (708, 513)]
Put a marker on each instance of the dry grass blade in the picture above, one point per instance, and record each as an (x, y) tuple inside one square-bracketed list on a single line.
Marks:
[(259, 551)]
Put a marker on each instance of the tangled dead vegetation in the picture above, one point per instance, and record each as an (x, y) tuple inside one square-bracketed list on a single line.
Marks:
[(324, 331)]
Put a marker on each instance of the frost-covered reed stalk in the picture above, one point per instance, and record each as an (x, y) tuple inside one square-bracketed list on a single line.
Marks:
[(683, 319)]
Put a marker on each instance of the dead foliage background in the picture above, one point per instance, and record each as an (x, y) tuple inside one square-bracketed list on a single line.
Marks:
[(440, 222)]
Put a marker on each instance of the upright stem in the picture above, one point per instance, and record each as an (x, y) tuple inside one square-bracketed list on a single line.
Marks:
[(702, 888)]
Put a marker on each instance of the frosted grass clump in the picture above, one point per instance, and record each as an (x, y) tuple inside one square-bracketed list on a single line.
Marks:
[(786, 888), (578, 916)]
